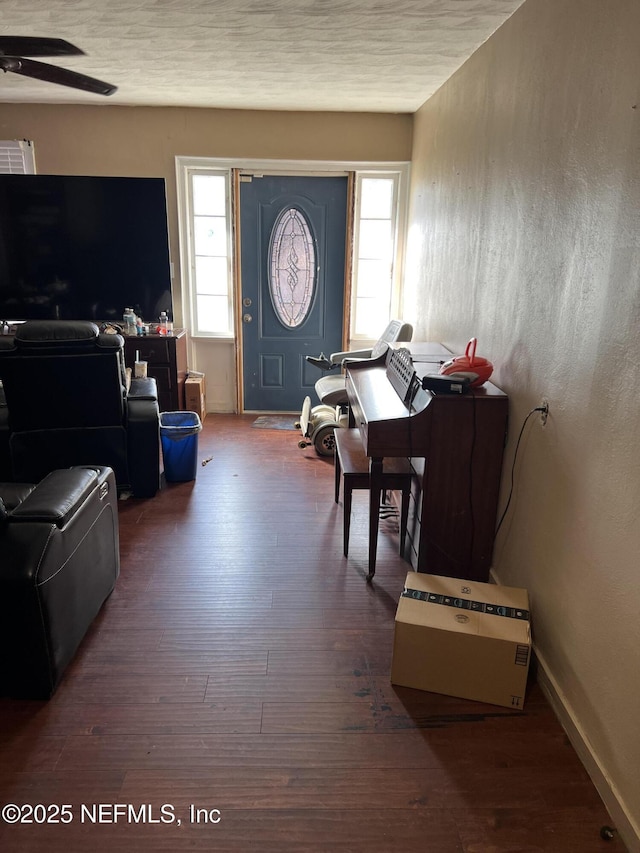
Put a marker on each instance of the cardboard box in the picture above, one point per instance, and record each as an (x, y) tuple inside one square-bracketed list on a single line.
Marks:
[(462, 638), (195, 399)]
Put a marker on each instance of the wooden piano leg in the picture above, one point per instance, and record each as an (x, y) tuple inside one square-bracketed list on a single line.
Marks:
[(375, 495)]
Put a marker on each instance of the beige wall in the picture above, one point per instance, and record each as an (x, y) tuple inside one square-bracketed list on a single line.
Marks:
[(525, 232), (144, 141)]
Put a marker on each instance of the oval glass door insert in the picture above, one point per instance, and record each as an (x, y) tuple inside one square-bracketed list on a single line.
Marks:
[(292, 267)]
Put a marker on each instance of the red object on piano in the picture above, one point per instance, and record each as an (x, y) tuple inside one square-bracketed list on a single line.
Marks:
[(469, 363)]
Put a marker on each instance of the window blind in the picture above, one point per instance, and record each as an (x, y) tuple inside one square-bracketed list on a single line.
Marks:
[(17, 157)]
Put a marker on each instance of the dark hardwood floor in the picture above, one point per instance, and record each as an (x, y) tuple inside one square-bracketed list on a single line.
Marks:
[(242, 665)]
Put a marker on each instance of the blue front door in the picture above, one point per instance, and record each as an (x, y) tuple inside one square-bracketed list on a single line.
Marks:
[(293, 237)]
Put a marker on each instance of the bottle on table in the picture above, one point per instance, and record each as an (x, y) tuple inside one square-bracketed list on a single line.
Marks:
[(129, 320)]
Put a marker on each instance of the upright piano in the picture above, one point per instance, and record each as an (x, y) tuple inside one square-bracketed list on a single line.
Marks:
[(455, 442)]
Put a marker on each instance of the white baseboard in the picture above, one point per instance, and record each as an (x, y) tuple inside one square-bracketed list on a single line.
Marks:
[(621, 820)]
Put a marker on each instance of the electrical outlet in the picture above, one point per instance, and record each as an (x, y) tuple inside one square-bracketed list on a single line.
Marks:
[(544, 411)]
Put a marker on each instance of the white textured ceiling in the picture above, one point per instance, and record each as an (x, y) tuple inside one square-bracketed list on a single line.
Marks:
[(355, 55)]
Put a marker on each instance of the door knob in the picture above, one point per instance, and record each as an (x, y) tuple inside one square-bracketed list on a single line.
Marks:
[(247, 318)]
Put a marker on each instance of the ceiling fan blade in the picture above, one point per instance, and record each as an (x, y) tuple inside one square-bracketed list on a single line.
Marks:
[(53, 74), (35, 46)]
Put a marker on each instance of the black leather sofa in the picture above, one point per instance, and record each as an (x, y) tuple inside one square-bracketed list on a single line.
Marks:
[(59, 562), (67, 400)]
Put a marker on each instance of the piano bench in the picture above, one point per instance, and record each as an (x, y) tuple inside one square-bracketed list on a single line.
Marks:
[(352, 466)]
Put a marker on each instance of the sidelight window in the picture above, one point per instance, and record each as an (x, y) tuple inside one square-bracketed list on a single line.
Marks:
[(376, 268), (209, 252)]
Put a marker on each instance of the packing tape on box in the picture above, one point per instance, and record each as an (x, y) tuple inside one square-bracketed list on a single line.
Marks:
[(466, 604)]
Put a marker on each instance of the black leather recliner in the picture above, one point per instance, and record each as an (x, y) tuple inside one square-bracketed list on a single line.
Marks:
[(67, 401), (60, 561)]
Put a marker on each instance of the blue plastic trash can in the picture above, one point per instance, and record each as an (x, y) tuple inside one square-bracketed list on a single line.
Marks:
[(179, 437)]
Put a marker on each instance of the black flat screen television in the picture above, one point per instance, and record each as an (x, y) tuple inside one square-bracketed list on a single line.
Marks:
[(83, 248)]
